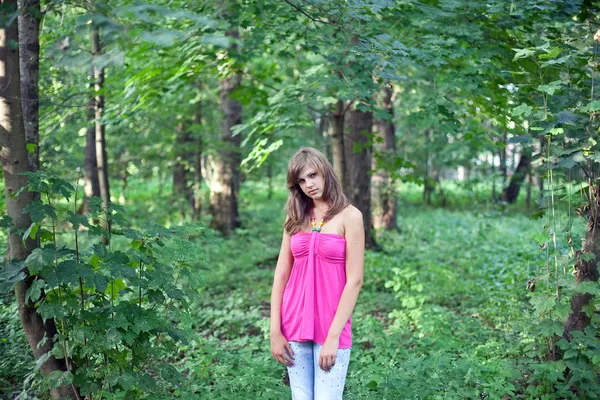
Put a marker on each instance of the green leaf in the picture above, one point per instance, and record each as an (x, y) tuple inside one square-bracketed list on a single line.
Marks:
[(60, 186), (523, 53), (588, 256), (10, 274), (523, 109), (113, 288), (38, 259), (76, 220), (99, 281), (542, 302), (30, 232), (67, 272), (36, 210), (31, 147), (35, 290), (51, 310), (522, 140), (178, 335), (550, 88), (6, 221), (169, 373), (588, 287), (561, 60), (328, 100), (591, 107)]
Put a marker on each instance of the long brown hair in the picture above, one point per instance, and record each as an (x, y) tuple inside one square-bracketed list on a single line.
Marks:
[(299, 205)]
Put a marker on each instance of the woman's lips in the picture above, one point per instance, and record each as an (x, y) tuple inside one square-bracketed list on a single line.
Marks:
[(312, 191)]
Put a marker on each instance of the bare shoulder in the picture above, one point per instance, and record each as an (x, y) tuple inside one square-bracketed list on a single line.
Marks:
[(352, 216)]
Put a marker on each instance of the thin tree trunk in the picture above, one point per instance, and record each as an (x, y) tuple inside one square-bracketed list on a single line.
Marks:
[(503, 157), (493, 174), (197, 207), (337, 143), (226, 175), (358, 166), (439, 186), (586, 271), (15, 160), (100, 138), (383, 185), (428, 183), (29, 51), (325, 134), (183, 179), (529, 185), (92, 185), (511, 192)]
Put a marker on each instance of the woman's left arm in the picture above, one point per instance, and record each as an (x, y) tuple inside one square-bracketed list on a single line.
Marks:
[(355, 256)]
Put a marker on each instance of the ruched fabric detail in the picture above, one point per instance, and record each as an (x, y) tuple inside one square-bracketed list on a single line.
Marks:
[(313, 291)]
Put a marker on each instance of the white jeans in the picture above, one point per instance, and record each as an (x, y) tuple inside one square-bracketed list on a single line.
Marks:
[(308, 381)]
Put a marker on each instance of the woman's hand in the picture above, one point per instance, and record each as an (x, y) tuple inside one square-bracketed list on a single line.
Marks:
[(281, 349), (328, 354)]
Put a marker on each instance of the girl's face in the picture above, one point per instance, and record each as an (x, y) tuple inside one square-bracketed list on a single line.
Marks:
[(311, 182)]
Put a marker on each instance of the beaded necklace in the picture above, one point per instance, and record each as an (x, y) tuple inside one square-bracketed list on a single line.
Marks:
[(313, 223)]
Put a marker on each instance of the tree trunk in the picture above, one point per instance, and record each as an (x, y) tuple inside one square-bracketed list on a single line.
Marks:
[(226, 175), (383, 185), (358, 167), (428, 182), (325, 134), (578, 320), (493, 174), (529, 185), (92, 185), (183, 174), (101, 158), (503, 161), (197, 207), (511, 192), (29, 51), (15, 160), (337, 143)]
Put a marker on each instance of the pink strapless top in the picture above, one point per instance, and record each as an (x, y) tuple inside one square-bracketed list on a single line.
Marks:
[(313, 291)]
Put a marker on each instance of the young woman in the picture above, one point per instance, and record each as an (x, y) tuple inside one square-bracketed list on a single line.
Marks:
[(318, 277)]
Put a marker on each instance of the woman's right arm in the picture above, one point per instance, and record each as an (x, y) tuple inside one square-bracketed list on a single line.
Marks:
[(279, 343)]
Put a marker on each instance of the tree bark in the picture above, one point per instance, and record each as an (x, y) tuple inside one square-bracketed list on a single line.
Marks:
[(183, 174), (503, 159), (197, 207), (383, 185), (428, 182), (325, 134), (29, 51), (92, 185), (578, 319), (511, 192), (99, 130), (15, 159), (226, 174), (358, 167), (337, 143)]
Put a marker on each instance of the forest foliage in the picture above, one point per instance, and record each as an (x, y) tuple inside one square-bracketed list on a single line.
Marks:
[(158, 281)]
